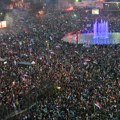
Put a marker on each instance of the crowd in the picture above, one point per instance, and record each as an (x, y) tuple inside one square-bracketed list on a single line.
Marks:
[(44, 78)]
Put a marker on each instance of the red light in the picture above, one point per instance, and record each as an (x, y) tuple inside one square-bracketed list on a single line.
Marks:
[(69, 8)]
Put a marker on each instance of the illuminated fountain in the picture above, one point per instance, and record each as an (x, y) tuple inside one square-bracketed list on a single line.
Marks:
[(100, 35), (100, 30)]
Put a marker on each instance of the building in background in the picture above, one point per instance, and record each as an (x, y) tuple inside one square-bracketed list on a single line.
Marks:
[(90, 3), (111, 6)]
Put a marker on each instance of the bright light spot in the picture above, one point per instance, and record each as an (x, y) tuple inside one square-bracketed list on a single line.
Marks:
[(5, 62), (58, 87), (77, 0), (4, 24), (13, 83), (75, 15), (1, 13), (40, 13), (33, 62), (70, 8)]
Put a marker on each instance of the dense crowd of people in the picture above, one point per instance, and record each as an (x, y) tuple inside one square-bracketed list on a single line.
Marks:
[(44, 78)]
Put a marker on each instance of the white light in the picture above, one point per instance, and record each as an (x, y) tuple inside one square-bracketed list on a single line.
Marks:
[(5, 62), (58, 88), (33, 62)]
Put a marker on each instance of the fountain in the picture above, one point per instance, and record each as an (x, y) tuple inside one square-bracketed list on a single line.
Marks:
[(99, 36), (100, 30)]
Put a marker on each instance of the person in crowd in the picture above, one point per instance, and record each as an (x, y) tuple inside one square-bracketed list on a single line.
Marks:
[(44, 78)]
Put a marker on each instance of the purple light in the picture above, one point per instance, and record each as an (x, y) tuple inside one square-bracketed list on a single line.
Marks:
[(100, 30)]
